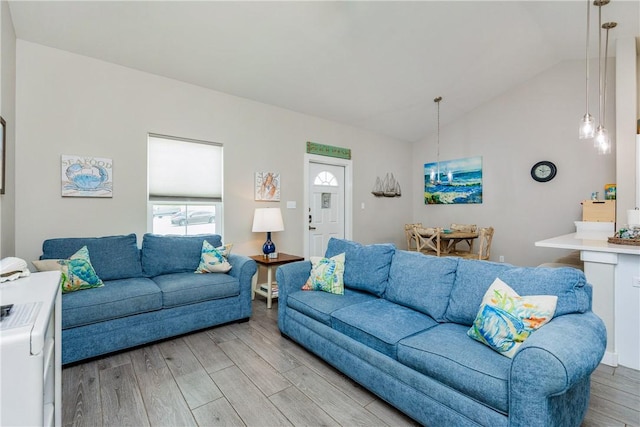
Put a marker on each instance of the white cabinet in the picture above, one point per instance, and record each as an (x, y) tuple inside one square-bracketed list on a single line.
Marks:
[(30, 351)]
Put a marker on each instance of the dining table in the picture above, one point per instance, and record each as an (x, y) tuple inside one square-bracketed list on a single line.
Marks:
[(451, 238)]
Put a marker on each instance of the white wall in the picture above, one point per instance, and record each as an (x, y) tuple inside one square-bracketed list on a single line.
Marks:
[(626, 126), (536, 121), (7, 111), (70, 104)]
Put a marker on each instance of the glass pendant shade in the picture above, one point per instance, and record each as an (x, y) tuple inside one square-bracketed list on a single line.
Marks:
[(587, 124), (602, 141), (587, 127)]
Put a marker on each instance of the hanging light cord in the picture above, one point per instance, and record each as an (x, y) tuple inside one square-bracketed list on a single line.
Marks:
[(600, 4), (587, 56), (437, 100), (607, 26)]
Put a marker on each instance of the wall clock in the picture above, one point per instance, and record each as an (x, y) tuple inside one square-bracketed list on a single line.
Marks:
[(543, 171)]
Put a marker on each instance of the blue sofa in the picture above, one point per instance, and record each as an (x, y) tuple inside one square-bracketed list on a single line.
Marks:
[(149, 294), (400, 330)]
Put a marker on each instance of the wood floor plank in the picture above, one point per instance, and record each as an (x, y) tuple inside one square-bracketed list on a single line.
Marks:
[(612, 394), (122, 403), (614, 410), (113, 360), (253, 407), (618, 381), (163, 400), (263, 375), (301, 410), (193, 380), (217, 413), (266, 349), (154, 385), (335, 403), (632, 374), (335, 377), (220, 334), (81, 389), (209, 354), (390, 415), (596, 419)]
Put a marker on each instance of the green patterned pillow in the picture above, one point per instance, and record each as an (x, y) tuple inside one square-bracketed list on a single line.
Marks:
[(78, 273), (214, 260), (326, 275), (506, 319)]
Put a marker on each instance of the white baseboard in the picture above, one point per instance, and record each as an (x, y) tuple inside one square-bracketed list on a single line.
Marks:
[(610, 359)]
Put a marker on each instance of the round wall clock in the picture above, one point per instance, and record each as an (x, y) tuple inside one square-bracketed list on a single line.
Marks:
[(543, 171)]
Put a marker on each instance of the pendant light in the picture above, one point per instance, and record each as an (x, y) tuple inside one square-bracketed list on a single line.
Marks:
[(587, 125), (435, 175), (601, 140)]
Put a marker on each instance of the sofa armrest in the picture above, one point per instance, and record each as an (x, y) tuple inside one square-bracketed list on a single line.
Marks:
[(290, 277), (553, 363), (243, 268)]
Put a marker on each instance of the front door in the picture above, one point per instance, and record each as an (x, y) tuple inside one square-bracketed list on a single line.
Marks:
[(326, 205)]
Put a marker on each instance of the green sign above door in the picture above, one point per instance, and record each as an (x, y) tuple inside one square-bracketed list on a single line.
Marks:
[(328, 150)]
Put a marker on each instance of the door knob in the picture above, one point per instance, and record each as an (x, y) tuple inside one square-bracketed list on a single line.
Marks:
[(311, 228)]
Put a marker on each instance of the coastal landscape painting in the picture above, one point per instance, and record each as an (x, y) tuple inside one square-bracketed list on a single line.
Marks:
[(453, 181)]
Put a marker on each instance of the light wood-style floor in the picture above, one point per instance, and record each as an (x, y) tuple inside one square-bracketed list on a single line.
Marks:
[(248, 374)]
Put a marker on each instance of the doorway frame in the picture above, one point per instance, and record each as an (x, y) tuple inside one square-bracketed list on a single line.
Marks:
[(348, 195)]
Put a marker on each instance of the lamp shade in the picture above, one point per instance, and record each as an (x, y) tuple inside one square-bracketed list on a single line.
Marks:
[(267, 219)]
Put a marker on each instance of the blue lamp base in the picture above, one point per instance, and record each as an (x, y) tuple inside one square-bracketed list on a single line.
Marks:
[(269, 247)]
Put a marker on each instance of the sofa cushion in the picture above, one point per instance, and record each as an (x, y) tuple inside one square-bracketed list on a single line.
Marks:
[(113, 257), (448, 355), (320, 305), (214, 260), (118, 298), (569, 284), (473, 278), (78, 273), (380, 324), (327, 274), (366, 266), (188, 288), (173, 254), (421, 282), (505, 319)]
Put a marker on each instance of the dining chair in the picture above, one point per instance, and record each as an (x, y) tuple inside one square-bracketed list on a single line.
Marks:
[(484, 246), (466, 228), (409, 233), (428, 240)]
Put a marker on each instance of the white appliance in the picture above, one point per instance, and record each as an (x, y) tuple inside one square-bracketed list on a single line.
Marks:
[(30, 351)]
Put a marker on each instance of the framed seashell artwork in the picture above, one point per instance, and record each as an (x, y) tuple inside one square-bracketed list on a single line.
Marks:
[(86, 176)]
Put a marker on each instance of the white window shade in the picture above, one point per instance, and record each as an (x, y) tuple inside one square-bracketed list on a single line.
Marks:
[(184, 170)]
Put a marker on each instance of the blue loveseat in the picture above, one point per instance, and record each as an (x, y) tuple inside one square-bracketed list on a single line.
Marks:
[(400, 330), (149, 294)]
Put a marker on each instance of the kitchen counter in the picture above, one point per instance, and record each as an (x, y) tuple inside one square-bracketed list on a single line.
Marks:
[(614, 272)]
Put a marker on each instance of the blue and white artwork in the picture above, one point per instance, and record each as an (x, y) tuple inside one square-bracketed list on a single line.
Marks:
[(86, 176), (453, 181)]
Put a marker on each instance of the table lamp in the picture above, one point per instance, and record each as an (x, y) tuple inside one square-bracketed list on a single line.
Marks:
[(267, 220)]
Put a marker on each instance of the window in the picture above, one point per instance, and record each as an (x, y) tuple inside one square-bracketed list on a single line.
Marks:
[(185, 186), (325, 178)]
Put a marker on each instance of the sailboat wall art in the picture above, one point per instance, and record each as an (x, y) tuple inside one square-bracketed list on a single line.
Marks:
[(387, 187), (456, 181)]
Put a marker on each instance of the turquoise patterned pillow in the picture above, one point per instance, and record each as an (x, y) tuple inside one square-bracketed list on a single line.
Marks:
[(506, 319), (326, 275), (78, 273), (214, 260)]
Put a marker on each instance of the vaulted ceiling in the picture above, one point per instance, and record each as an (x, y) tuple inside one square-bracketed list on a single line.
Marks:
[(372, 64)]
